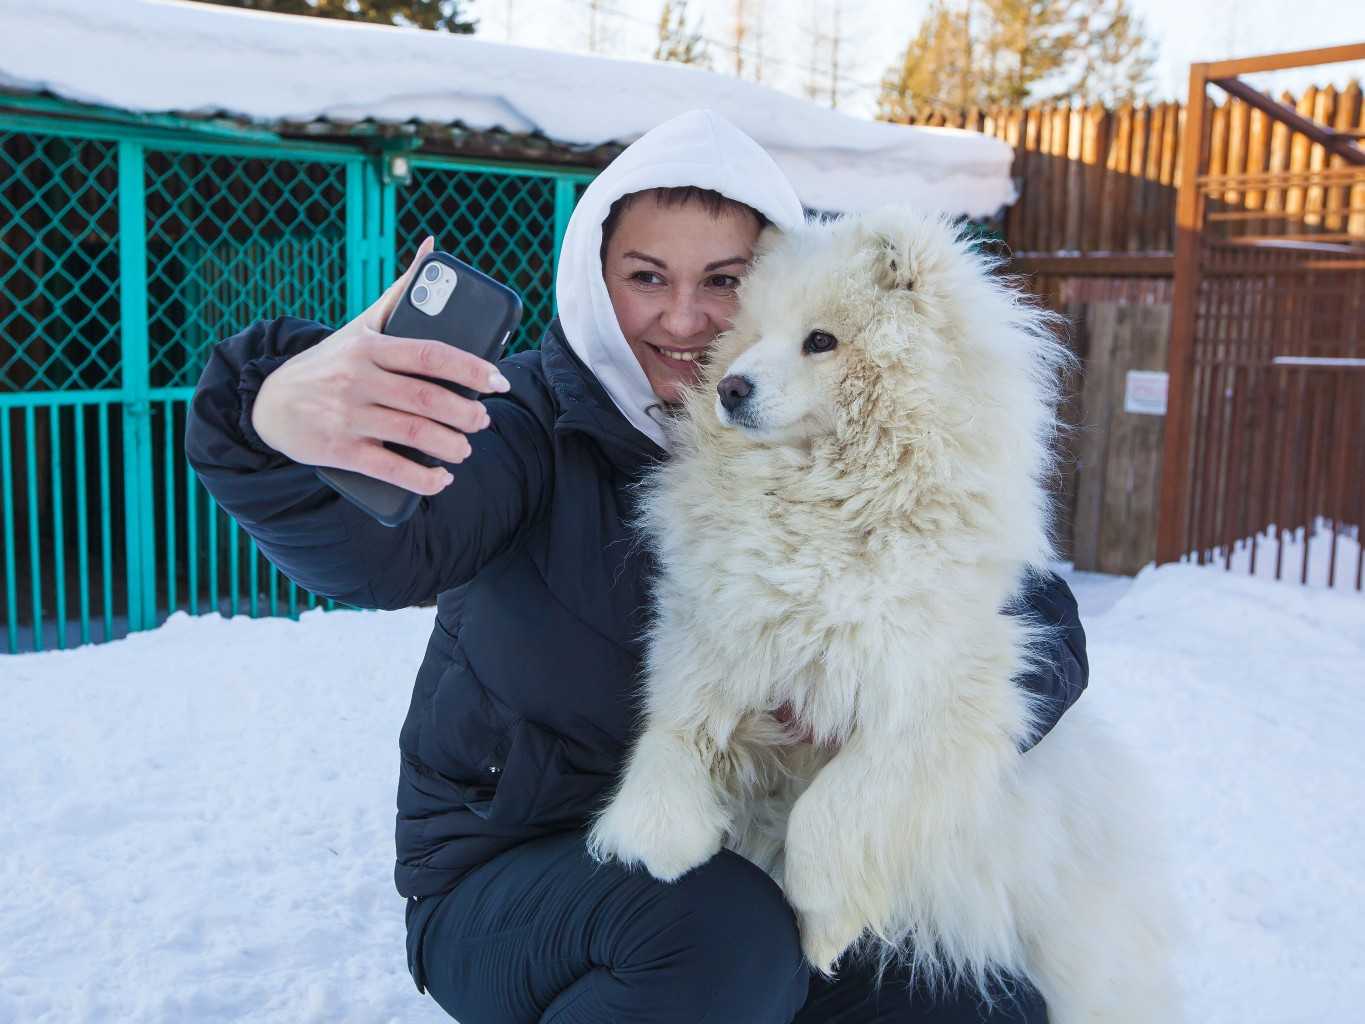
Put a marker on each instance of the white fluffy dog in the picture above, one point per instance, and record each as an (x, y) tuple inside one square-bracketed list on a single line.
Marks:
[(841, 531)]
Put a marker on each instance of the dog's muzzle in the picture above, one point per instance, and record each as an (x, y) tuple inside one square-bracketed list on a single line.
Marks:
[(734, 391), (733, 400)]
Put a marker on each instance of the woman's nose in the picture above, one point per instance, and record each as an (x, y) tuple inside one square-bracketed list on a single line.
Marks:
[(683, 317)]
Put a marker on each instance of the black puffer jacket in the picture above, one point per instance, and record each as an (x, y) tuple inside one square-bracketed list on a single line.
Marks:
[(520, 715)]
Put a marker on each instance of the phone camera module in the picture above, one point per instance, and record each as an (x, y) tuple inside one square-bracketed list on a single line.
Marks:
[(420, 294), (432, 273)]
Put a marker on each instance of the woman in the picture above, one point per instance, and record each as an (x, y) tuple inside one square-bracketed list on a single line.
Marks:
[(522, 712)]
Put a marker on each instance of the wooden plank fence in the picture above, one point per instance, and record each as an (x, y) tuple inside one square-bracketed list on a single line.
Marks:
[(1094, 236), (1100, 180)]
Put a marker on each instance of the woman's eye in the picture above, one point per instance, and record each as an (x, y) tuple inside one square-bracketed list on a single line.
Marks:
[(728, 282), (818, 341), (646, 277)]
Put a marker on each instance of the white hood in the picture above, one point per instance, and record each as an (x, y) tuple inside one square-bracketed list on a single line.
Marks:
[(698, 148)]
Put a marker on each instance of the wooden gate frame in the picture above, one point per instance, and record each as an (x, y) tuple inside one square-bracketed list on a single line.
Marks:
[(1189, 226)]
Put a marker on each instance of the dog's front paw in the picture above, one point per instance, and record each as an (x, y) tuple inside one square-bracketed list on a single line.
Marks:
[(635, 833), (666, 816), (825, 937)]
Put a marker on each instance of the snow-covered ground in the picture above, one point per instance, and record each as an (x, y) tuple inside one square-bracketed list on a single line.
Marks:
[(198, 820)]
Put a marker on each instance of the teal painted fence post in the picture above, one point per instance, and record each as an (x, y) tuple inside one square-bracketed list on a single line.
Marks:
[(139, 518), (369, 232), (34, 549), (7, 526), (387, 236), (356, 250), (564, 204)]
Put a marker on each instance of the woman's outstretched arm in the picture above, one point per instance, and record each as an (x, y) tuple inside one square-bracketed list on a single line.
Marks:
[(319, 539)]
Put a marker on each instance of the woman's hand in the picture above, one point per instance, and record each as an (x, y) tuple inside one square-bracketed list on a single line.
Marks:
[(335, 403)]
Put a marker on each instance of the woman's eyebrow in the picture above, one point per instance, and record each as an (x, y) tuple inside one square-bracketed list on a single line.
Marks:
[(637, 255), (633, 254), (725, 263)]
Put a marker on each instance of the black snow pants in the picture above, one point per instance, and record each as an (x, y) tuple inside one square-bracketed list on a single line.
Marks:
[(541, 933)]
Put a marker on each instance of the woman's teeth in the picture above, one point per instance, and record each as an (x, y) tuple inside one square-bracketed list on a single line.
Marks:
[(681, 357)]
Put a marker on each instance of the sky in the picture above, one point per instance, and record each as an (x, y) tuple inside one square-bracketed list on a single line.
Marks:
[(876, 32)]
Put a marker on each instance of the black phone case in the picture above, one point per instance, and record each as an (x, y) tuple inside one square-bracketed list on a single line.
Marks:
[(479, 318)]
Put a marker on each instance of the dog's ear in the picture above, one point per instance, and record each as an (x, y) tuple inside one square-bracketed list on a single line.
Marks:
[(891, 267), (767, 240)]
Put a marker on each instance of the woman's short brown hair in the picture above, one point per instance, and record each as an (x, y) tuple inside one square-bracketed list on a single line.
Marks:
[(710, 200)]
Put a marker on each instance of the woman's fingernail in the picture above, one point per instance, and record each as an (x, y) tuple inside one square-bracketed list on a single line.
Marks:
[(498, 382), (448, 478)]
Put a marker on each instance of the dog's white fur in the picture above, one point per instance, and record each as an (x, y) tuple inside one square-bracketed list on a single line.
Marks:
[(848, 541)]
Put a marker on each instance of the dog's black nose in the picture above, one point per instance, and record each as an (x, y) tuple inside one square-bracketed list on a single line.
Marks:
[(734, 389)]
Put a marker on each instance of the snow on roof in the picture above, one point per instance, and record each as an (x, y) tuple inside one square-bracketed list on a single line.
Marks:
[(164, 56)]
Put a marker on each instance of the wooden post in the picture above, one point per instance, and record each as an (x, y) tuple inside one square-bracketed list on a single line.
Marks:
[(1338, 196), (1355, 200), (1238, 114), (1075, 180), (1276, 197), (1170, 157), (1217, 161), (1060, 121), (1094, 150), (1119, 452), (1139, 189), (1035, 169), (1299, 151), (1257, 148), (1154, 209), (1180, 364), (1324, 106)]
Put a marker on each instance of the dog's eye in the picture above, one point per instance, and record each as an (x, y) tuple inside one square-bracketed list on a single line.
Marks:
[(818, 341)]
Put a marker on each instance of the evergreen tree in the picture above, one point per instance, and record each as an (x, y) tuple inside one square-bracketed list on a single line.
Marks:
[(677, 40), (1118, 56), (443, 15), (983, 52), (936, 70), (1026, 43)]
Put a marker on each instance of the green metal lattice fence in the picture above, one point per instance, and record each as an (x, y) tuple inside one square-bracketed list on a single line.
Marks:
[(126, 252)]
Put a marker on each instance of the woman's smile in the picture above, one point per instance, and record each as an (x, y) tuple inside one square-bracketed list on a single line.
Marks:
[(680, 355), (671, 370)]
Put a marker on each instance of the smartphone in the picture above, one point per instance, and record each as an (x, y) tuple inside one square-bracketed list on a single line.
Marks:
[(449, 301)]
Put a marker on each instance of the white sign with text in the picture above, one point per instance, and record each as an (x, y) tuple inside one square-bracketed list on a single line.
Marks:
[(1144, 392)]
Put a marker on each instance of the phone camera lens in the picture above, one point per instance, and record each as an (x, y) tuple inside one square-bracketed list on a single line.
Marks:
[(432, 273), (420, 294)]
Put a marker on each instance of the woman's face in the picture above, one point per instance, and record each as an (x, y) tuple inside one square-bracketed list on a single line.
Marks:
[(671, 272)]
